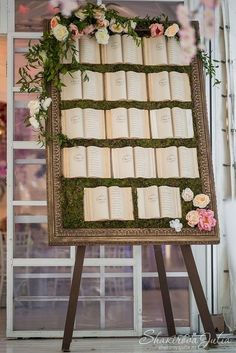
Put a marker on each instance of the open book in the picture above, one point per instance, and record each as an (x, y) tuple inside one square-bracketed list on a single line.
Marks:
[(89, 50), (113, 203), (165, 86), (159, 202), (90, 162), (73, 86), (171, 123), (93, 87), (177, 162), (136, 86), (159, 51), (83, 123), (127, 123), (132, 53)]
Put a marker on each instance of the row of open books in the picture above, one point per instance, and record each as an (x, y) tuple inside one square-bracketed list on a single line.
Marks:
[(116, 203), (130, 162), (127, 123), (130, 85), (123, 49)]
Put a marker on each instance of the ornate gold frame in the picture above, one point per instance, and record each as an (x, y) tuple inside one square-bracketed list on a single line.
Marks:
[(61, 236)]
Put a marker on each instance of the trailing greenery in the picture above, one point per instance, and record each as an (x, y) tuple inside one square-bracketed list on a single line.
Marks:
[(209, 66)]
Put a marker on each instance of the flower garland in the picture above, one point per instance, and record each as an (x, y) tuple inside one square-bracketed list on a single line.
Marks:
[(94, 20)]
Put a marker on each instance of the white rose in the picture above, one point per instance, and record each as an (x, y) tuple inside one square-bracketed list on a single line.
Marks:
[(46, 103), (187, 194), (60, 32), (116, 27), (81, 14), (34, 107), (176, 224), (102, 36), (34, 122)]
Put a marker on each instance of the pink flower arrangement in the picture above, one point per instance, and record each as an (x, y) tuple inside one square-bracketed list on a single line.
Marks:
[(157, 29), (75, 31), (88, 30), (206, 219)]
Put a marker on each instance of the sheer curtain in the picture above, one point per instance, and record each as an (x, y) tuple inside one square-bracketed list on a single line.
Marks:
[(224, 155)]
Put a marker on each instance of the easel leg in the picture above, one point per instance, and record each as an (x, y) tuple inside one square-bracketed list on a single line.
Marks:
[(164, 291), (74, 293), (198, 292)]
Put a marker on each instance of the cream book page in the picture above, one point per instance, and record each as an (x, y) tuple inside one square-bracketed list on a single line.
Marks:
[(94, 124), (121, 203), (161, 123), (96, 205), (122, 162), (115, 86), (72, 123), (136, 86), (98, 162), (112, 52), (117, 123), (148, 202), (170, 202), (132, 53), (138, 123), (89, 50), (67, 59), (159, 86), (175, 53), (182, 123), (167, 162), (93, 88), (144, 161), (154, 51), (180, 87), (188, 163), (73, 86), (74, 162)]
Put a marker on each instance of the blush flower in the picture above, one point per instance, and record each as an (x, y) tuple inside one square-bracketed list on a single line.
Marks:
[(172, 30), (206, 220), (54, 21), (88, 30), (193, 218), (102, 23), (75, 31), (157, 29), (201, 200)]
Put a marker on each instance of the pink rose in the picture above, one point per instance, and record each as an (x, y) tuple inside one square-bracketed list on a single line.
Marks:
[(88, 30), (206, 220), (75, 31), (156, 29), (102, 23)]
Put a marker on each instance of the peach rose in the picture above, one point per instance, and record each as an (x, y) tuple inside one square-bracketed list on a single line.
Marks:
[(157, 29), (54, 21), (172, 30), (206, 220), (102, 23), (201, 200), (193, 218)]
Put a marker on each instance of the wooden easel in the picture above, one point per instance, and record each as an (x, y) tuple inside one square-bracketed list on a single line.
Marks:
[(193, 277)]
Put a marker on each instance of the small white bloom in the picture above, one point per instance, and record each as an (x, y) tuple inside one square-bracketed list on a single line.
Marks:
[(34, 107), (133, 24), (46, 103), (187, 194), (60, 32), (34, 122), (176, 224), (102, 36), (81, 14)]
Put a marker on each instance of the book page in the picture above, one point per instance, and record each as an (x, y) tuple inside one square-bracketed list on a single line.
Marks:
[(74, 162), (72, 123), (161, 123), (121, 203), (89, 50), (132, 53), (182, 123), (180, 86), (96, 206), (159, 86), (94, 124), (175, 53), (98, 161), (148, 202), (117, 123), (144, 160), (115, 86), (170, 202), (188, 163), (136, 86), (122, 162), (167, 162), (93, 88), (73, 86), (138, 123), (154, 50), (112, 52)]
